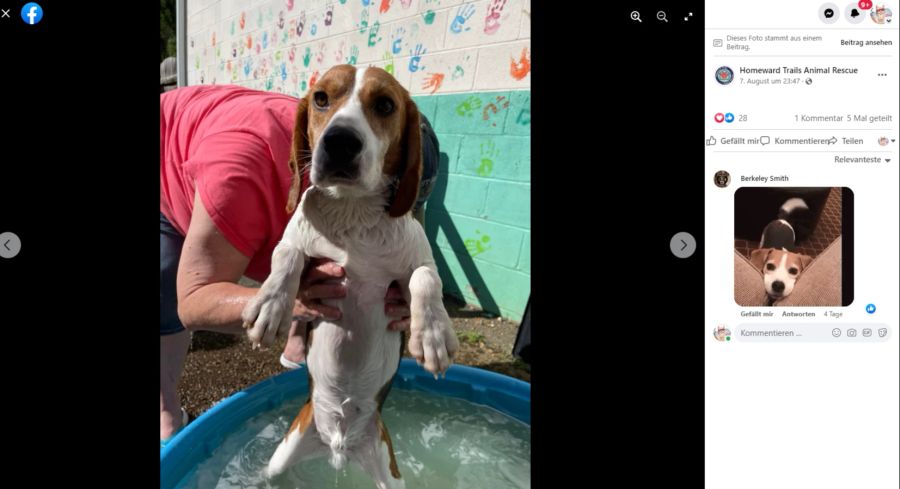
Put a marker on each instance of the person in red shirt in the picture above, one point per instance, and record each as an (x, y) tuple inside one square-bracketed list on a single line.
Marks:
[(224, 183)]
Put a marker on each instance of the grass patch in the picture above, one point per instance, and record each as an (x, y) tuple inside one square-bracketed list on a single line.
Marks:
[(470, 337)]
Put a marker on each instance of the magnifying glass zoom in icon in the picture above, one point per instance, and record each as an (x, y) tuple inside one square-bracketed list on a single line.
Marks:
[(635, 15), (662, 16)]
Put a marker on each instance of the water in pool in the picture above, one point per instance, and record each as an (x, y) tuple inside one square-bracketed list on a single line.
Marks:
[(440, 443)]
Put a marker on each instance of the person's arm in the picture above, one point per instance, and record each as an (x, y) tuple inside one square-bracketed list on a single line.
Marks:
[(209, 297)]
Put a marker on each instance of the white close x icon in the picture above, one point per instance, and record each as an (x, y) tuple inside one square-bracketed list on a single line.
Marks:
[(5, 13)]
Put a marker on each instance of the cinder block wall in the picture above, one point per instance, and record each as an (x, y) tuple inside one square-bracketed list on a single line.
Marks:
[(468, 66)]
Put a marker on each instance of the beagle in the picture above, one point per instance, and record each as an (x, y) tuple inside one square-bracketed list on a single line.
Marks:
[(775, 257), (355, 130)]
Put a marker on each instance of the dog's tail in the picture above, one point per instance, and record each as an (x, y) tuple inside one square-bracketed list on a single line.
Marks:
[(797, 213)]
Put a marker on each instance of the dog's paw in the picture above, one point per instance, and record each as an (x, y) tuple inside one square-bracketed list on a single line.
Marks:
[(267, 315), (432, 340)]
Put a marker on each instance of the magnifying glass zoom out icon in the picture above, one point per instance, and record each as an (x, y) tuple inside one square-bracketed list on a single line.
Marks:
[(662, 16)]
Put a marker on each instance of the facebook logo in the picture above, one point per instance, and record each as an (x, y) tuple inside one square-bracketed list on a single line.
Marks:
[(32, 13)]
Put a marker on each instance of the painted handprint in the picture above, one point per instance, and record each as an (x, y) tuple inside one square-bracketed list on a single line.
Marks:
[(468, 106), (385, 6), (458, 73), (265, 40), (524, 117), (488, 153), (520, 69), (405, 3), (243, 20), (289, 4), (476, 247), (283, 72), (428, 17), (320, 56), (373, 33), (397, 43), (292, 54), (281, 19), (329, 11), (492, 21), (301, 23), (363, 22), (389, 67), (306, 55), (492, 108), (339, 54), (433, 81), (313, 79), (463, 14), (354, 55), (416, 56)]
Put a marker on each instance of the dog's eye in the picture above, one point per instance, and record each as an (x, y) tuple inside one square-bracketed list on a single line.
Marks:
[(770, 266), (384, 106), (321, 99), (792, 271)]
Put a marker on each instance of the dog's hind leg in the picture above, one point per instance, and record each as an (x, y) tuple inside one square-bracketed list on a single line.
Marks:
[(301, 442), (377, 459)]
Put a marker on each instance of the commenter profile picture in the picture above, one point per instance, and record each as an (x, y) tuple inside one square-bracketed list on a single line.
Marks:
[(724, 75), (722, 333), (722, 179)]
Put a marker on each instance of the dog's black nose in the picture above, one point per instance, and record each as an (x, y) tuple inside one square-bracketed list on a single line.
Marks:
[(341, 146), (778, 286)]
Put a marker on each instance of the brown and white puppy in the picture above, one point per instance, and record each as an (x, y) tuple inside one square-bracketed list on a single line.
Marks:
[(780, 268), (775, 257), (356, 130)]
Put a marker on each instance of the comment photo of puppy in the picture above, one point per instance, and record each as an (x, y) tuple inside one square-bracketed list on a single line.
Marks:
[(793, 246)]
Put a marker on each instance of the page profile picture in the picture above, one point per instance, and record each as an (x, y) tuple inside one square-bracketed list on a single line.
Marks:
[(724, 75)]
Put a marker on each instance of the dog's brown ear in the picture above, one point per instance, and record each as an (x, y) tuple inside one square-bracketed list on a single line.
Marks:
[(408, 188), (300, 153), (758, 257), (805, 261)]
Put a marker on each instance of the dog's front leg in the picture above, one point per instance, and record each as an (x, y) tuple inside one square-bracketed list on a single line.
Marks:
[(432, 340), (269, 312)]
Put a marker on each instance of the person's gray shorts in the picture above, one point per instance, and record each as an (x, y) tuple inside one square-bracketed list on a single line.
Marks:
[(170, 243)]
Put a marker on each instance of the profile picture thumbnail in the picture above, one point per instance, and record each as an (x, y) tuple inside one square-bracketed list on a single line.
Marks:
[(724, 75)]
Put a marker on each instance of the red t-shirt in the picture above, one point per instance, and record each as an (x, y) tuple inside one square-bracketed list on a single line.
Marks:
[(231, 145)]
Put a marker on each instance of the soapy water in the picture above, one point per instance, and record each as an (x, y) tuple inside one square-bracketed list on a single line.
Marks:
[(440, 443)]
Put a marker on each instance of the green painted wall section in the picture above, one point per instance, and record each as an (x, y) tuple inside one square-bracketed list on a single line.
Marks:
[(478, 218)]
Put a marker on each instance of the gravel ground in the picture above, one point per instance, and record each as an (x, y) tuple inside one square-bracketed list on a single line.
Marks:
[(219, 365)]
